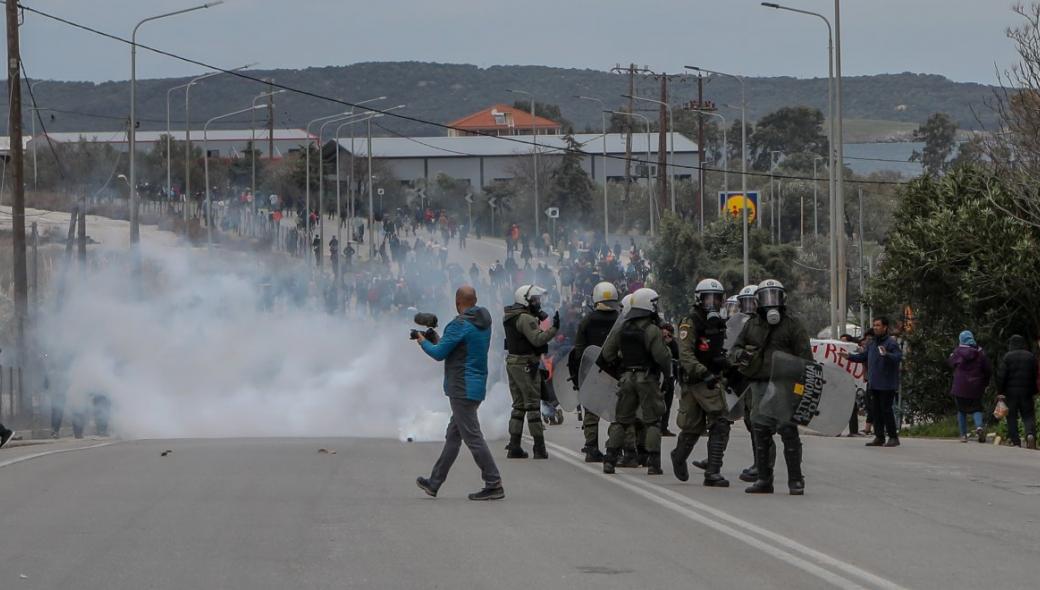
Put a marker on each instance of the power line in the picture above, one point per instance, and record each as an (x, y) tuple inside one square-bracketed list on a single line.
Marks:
[(397, 115)]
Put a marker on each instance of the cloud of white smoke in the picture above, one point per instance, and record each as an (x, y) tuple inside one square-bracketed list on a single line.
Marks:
[(195, 354)]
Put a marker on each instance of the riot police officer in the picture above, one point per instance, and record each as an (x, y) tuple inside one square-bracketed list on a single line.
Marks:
[(637, 353), (771, 330), (525, 344), (592, 331), (702, 405)]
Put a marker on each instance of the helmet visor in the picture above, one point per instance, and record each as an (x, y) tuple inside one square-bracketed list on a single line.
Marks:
[(732, 308), (770, 297), (748, 304), (712, 301)]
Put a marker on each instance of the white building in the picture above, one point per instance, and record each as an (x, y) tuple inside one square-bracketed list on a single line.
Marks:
[(226, 143), (480, 161)]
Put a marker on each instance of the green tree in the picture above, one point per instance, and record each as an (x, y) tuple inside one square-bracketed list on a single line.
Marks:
[(939, 134), (959, 262), (570, 187), (796, 131)]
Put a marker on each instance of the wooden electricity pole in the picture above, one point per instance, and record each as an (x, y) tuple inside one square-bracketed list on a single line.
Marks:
[(17, 157)]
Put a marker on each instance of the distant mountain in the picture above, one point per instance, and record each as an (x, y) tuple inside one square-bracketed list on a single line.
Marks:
[(443, 92)]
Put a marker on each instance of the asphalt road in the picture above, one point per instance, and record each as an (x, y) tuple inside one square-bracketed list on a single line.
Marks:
[(276, 513)]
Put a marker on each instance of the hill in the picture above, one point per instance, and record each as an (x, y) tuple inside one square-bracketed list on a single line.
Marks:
[(442, 92)]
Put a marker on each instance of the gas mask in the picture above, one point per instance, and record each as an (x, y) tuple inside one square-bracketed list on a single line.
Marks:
[(773, 316)]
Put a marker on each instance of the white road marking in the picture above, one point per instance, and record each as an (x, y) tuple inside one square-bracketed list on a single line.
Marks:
[(778, 546), (54, 452)]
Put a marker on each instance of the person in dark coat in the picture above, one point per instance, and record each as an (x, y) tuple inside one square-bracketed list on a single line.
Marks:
[(971, 374), (1016, 385)]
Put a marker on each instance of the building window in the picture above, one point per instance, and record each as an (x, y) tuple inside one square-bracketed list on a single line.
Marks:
[(212, 153)]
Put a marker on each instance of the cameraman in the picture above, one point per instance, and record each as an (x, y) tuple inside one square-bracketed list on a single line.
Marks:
[(464, 348)]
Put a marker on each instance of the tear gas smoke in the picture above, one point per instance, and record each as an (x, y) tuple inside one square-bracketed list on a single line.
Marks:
[(228, 348)]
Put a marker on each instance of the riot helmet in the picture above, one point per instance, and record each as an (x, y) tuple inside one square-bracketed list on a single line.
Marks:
[(529, 296), (748, 300), (710, 295)]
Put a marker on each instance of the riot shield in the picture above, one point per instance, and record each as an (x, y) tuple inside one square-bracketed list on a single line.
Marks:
[(836, 402), (597, 390), (562, 385), (786, 389), (735, 404), (733, 327)]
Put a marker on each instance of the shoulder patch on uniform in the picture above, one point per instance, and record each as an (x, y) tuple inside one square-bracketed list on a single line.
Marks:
[(684, 332)]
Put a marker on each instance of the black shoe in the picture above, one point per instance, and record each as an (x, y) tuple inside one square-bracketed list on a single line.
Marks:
[(426, 486), (5, 436), (981, 434), (628, 460), (715, 480), (539, 452), (749, 475), (516, 453), (593, 455), (682, 473), (495, 493), (760, 487), (702, 464), (877, 442), (653, 464), (796, 487), (642, 458), (892, 442), (609, 460)]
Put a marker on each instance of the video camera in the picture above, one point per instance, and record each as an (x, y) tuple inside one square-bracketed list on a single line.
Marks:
[(428, 320)]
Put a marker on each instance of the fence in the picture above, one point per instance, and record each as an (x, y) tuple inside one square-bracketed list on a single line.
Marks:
[(13, 404)]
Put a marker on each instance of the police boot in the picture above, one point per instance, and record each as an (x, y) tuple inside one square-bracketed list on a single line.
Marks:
[(653, 463), (592, 455), (764, 458), (514, 448), (750, 474), (642, 456), (795, 479), (628, 459), (718, 438), (683, 448), (610, 460), (539, 449), (701, 464)]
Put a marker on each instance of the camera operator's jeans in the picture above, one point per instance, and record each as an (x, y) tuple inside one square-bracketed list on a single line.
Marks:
[(464, 426)]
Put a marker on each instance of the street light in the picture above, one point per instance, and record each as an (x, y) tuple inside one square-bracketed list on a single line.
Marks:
[(649, 181), (135, 230), (205, 154), (187, 134), (671, 140), (534, 153), (35, 113), (836, 161), (774, 160), (743, 159), (815, 196), (350, 208), (603, 115), (725, 155)]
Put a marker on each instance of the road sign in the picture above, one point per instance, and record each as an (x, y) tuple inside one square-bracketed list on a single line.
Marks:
[(733, 202), (380, 191), (492, 202), (469, 197), (552, 212)]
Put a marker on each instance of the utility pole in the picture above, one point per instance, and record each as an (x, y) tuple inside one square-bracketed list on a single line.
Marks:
[(631, 71), (700, 149), (270, 122), (662, 145), (17, 158), (82, 222)]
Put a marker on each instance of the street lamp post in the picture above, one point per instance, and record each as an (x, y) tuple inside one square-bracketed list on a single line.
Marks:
[(205, 177), (774, 208), (671, 140), (835, 160), (534, 153), (339, 234), (743, 161), (135, 230), (603, 164), (35, 113), (649, 180), (725, 155), (815, 198), (252, 140)]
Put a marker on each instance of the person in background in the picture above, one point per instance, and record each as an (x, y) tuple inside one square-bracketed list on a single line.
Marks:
[(882, 358), (971, 374), (1016, 386), (854, 418)]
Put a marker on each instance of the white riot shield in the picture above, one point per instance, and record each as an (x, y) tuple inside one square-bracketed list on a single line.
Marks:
[(597, 390), (733, 327), (735, 404), (561, 383), (786, 389), (837, 401)]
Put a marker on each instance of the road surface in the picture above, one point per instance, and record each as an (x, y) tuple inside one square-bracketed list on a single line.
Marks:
[(276, 513)]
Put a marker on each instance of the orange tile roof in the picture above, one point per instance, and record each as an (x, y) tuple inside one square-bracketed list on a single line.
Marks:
[(521, 119)]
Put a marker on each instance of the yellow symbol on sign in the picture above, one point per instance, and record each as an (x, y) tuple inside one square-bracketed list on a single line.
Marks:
[(799, 389), (734, 203)]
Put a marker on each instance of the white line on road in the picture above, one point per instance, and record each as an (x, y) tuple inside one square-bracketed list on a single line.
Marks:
[(730, 525), (54, 452)]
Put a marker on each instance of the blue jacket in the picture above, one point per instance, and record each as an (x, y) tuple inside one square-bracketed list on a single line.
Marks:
[(882, 370), (464, 350)]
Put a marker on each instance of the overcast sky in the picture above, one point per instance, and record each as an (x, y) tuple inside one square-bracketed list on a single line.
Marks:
[(961, 39)]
